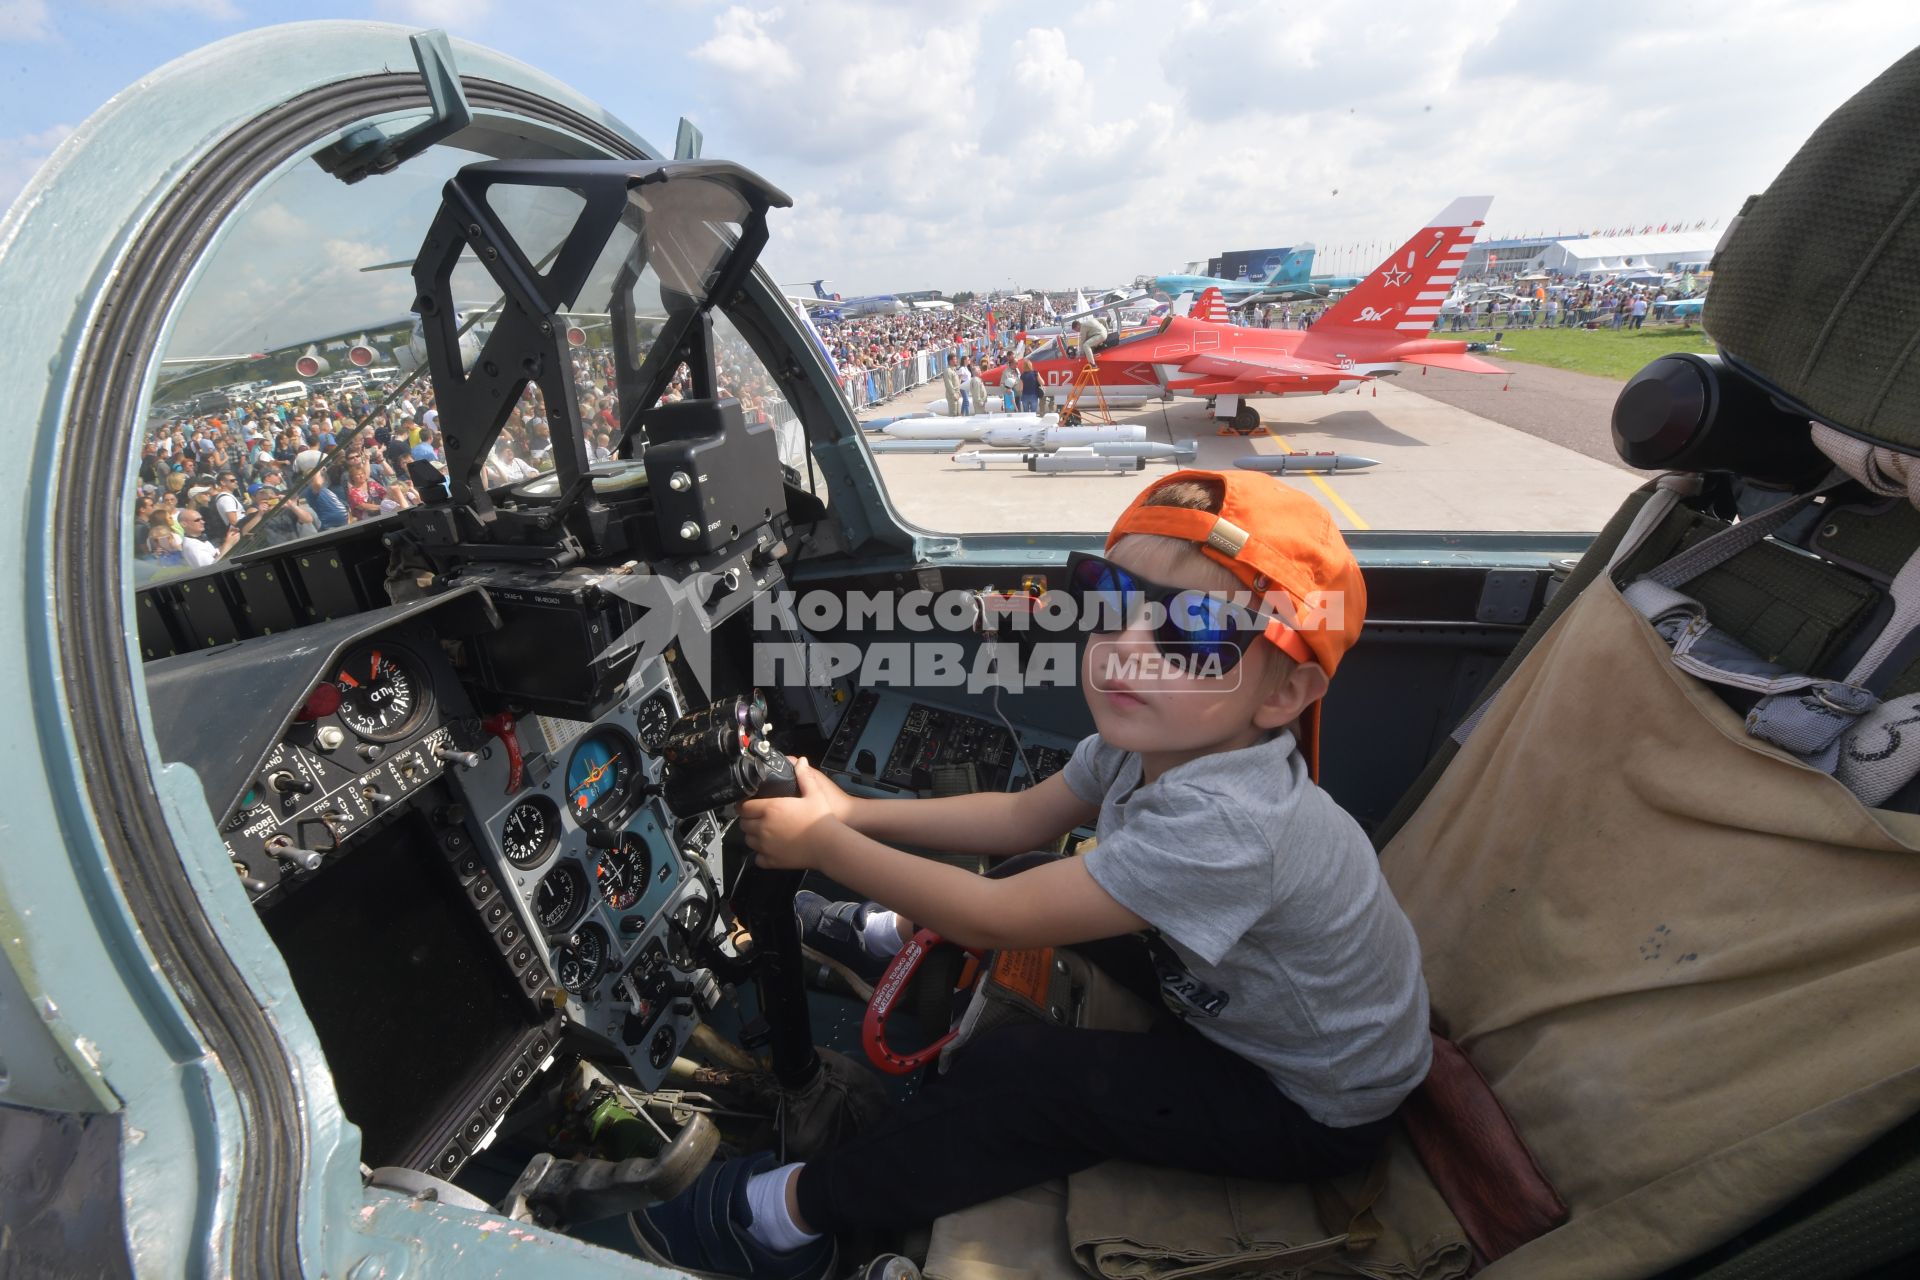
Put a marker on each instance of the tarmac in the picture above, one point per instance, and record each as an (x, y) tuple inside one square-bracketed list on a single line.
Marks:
[(1535, 458)]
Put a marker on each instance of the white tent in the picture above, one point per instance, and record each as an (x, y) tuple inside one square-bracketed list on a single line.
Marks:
[(1656, 251)]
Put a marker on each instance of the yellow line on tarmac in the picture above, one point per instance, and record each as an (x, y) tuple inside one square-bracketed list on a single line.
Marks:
[(1353, 517)]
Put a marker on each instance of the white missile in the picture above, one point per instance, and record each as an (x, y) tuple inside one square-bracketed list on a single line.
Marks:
[(1150, 449), (979, 458), (1083, 458), (973, 428), (881, 424), (1279, 464), (883, 444), (1074, 457), (1053, 437)]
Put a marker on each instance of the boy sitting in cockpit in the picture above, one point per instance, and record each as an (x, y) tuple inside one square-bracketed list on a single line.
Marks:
[(1302, 1014)]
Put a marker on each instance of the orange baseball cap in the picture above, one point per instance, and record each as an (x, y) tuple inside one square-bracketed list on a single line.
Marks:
[(1279, 542)]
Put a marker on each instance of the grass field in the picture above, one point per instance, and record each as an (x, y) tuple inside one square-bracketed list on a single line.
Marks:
[(1608, 353)]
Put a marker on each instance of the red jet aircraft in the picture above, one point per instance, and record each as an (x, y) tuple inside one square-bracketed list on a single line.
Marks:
[(1374, 330)]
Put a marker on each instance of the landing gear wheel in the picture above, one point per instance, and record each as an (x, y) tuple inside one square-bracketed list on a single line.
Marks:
[(1244, 422)]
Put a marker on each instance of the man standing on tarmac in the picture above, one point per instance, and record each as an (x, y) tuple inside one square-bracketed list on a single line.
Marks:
[(951, 385)]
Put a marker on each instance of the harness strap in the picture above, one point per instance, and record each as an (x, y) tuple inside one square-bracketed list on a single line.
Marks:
[(1841, 727), (1735, 538)]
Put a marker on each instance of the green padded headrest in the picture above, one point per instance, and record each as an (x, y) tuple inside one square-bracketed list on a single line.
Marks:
[(1816, 286)]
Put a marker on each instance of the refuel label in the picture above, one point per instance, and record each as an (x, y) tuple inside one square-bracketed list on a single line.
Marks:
[(1027, 974)]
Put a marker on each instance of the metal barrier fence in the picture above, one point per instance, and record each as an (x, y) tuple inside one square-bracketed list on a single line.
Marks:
[(866, 387), (787, 431)]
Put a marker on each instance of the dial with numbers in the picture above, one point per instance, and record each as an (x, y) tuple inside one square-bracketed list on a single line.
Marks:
[(530, 832), (624, 871), (381, 695), (581, 959), (560, 898)]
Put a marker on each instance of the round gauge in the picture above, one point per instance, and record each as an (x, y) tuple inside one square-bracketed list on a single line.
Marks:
[(581, 959), (530, 832), (623, 872), (600, 775), (381, 695), (561, 897), (655, 721)]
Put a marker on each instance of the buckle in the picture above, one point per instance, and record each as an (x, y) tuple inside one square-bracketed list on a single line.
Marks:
[(1823, 692), (886, 992)]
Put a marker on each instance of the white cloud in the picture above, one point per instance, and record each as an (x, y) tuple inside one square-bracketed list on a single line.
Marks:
[(870, 86), (23, 154), (961, 148), (960, 143), (742, 46), (25, 21)]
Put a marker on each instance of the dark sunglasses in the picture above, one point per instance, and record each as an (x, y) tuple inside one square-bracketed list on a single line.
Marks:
[(1209, 629)]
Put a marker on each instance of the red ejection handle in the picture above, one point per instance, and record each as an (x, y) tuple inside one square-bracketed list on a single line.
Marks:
[(886, 993), (500, 725)]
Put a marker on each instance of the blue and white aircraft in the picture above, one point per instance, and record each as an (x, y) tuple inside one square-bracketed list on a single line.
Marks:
[(1290, 280), (876, 304)]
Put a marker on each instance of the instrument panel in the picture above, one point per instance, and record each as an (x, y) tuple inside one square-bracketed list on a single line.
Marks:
[(568, 866), (601, 867), (386, 722), (893, 744)]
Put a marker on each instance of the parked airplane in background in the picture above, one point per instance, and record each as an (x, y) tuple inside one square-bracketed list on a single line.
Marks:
[(831, 305), (1328, 285), (1290, 280), (1379, 326)]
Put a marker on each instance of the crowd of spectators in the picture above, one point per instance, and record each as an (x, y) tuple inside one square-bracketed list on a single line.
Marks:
[(261, 474), (1555, 302), (265, 474)]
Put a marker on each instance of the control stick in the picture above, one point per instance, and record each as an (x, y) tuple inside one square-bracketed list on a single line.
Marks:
[(766, 901), (720, 757)]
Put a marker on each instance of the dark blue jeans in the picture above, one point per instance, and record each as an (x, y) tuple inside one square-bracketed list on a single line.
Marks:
[(1032, 1101)]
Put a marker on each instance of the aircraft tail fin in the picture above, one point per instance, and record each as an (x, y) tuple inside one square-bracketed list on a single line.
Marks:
[(1403, 294), (1295, 268), (1181, 305), (1210, 306), (820, 291)]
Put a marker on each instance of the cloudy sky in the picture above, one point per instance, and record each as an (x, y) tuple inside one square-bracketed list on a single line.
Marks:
[(976, 143)]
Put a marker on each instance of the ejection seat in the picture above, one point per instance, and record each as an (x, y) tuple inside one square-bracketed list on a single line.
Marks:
[(1666, 877)]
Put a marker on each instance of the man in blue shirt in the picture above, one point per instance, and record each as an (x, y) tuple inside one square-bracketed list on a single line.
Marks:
[(425, 450), (327, 507)]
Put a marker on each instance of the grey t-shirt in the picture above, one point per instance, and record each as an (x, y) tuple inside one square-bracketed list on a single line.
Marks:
[(1278, 938)]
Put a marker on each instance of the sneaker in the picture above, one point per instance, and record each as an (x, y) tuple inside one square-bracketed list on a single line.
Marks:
[(703, 1230), (834, 930)]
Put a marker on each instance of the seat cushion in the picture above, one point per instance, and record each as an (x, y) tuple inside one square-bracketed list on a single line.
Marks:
[(1681, 959)]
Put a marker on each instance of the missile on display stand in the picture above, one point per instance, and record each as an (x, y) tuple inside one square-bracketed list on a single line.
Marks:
[(1280, 464)]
